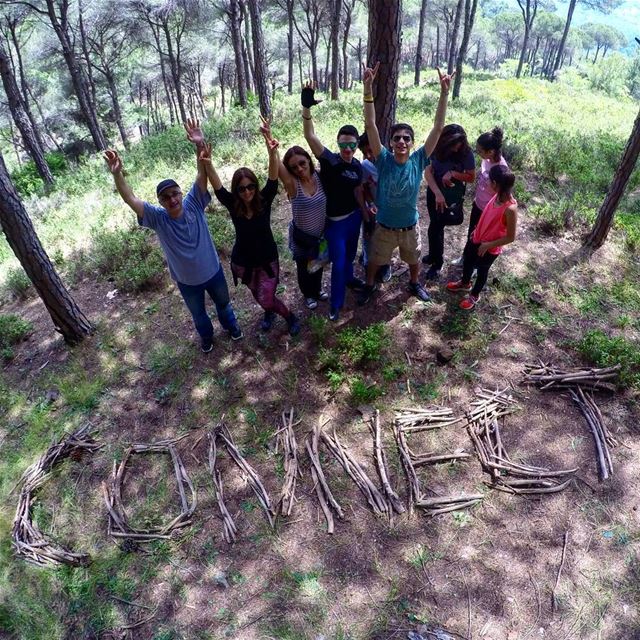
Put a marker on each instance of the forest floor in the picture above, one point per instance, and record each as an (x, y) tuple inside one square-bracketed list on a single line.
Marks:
[(486, 572)]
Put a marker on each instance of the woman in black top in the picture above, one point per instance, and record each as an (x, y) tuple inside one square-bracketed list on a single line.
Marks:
[(254, 259)]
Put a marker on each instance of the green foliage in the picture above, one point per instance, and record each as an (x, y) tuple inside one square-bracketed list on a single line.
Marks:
[(129, 256), (319, 327), (605, 351), (361, 392), (364, 345), (13, 329), (610, 75), (221, 228), (28, 182), (17, 283)]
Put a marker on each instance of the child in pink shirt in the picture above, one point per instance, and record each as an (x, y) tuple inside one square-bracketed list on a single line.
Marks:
[(495, 228)]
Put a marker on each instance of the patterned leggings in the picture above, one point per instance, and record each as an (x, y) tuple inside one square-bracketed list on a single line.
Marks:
[(263, 287)]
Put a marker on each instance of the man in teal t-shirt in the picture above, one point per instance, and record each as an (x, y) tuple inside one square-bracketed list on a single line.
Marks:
[(399, 176)]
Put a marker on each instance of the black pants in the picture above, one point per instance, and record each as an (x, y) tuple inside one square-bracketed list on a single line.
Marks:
[(474, 218), (473, 261), (309, 283)]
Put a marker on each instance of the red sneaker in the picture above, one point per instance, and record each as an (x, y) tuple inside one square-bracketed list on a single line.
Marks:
[(458, 285), (469, 303)]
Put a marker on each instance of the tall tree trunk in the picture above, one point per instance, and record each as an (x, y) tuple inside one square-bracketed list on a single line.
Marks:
[(250, 69), (348, 6), (470, 7), (176, 71), (523, 51), (604, 220), (32, 143), (563, 41), (454, 37), (477, 58), (235, 18), (300, 67), (67, 317), (290, 53), (87, 58), (385, 44), (259, 59), (420, 44), (437, 45), (117, 112), (336, 10), (78, 79)]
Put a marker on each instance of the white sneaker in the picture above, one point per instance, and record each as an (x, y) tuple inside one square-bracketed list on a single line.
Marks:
[(324, 296), (311, 303), (458, 261)]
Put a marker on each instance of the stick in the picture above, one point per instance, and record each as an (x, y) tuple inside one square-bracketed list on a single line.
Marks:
[(554, 602)]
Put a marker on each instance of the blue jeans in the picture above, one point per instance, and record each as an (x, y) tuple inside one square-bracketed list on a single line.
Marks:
[(342, 239), (217, 289)]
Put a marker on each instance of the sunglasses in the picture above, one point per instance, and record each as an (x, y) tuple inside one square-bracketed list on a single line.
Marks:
[(299, 165), (348, 145), (401, 138), (248, 187)]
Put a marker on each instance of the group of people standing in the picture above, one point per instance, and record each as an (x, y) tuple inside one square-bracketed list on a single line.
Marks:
[(334, 205)]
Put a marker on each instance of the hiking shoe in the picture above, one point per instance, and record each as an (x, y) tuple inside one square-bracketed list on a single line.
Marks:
[(433, 273), (206, 344), (365, 295), (356, 284), (236, 332), (267, 321), (458, 285), (311, 303), (458, 261), (323, 297), (469, 302), (426, 260), (384, 273), (419, 291), (334, 315), (294, 324)]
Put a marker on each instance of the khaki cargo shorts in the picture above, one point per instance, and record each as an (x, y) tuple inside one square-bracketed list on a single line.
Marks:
[(384, 241)]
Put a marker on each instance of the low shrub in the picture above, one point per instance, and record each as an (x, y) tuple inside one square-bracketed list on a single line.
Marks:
[(13, 329), (363, 345), (26, 179), (17, 283)]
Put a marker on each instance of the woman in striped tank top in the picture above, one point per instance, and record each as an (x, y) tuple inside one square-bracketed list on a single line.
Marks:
[(496, 227), (308, 206)]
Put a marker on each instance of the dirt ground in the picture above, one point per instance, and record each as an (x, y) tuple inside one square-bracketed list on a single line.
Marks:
[(487, 572)]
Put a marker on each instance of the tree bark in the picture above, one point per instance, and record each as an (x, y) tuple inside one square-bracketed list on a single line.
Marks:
[(259, 58), (420, 44), (235, 20), (117, 111), (572, 5), (385, 45), (336, 10), (348, 6), (30, 140), (67, 317), (454, 37), (528, 15), (603, 222), (470, 7), (174, 64), (250, 69)]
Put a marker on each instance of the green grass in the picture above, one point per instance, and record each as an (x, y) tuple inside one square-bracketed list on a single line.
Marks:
[(13, 329)]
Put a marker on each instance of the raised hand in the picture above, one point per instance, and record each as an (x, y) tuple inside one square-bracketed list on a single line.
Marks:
[(445, 80), (194, 132), (113, 161), (368, 76), (272, 144), (307, 96), (205, 153), (265, 128)]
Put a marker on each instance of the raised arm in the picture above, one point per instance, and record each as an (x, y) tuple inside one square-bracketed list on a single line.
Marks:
[(370, 111), (272, 148), (195, 135), (126, 193), (308, 100), (441, 112), (204, 160)]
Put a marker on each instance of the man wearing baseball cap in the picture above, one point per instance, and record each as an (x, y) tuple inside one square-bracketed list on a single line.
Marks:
[(182, 230)]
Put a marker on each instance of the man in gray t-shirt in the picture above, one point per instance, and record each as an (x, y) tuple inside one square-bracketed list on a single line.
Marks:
[(181, 226)]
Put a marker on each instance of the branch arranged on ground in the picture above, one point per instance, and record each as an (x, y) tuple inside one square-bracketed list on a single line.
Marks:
[(444, 504), (229, 526), (413, 484), (27, 539), (549, 378), (601, 436), (287, 438), (118, 524), (381, 464), (424, 419), (509, 476), (328, 503)]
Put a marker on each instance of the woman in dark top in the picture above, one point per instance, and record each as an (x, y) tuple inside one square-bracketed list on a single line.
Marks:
[(254, 258), (452, 166)]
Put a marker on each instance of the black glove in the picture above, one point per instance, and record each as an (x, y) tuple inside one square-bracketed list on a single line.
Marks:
[(308, 99)]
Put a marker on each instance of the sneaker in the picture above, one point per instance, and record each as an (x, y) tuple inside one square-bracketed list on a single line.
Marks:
[(419, 291), (206, 344), (469, 302), (310, 303), (267, 321), (294, 324), (365, 295), (323, 297), (236, 332), (356, 284), (433, 273), (334, 315), (458, 285), (426, 260), (384, 273)]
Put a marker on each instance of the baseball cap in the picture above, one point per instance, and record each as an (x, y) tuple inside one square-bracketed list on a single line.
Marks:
[(165, 184)]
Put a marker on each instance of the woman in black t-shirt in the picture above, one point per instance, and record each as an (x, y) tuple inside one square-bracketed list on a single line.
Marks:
[(254, 258)]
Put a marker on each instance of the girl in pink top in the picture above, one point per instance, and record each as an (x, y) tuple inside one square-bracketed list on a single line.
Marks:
[(496, 227)]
